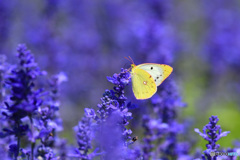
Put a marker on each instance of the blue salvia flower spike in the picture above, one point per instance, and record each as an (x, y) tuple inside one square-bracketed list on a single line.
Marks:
[(211, 133)]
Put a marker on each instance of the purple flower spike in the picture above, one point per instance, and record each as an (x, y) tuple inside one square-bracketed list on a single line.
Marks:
[(212, 133), (24, 98), (83, 131), (109, 125), (161, 127), (29, 112)]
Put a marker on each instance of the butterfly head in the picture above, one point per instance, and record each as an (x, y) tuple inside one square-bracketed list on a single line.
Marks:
[(133, 65)]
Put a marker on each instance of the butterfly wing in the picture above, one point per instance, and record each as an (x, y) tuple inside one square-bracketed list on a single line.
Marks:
[(142, 84), (159, 72)]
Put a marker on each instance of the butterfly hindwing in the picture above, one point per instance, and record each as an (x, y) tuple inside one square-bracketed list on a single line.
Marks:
[(143, 84), (159, 72)]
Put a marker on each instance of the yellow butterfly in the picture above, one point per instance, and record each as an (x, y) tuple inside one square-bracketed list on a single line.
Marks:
[(146, 77)]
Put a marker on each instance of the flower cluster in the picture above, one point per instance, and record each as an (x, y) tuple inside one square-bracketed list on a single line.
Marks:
[(3, 142), (111, 118), (31, 121), (212, 133), (149, 137), (23, 100), (84, 131), (161, 127), (30, 112), (48, 122), (29, 106)]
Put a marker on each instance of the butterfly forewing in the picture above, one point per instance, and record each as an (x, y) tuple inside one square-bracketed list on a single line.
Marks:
[(159, 72), (143, 84)]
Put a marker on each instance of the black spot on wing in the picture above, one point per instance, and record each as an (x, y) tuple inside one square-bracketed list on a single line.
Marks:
[(151, 68)]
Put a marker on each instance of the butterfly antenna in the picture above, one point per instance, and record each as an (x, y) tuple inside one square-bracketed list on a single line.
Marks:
[(127, 59), (131, 59)]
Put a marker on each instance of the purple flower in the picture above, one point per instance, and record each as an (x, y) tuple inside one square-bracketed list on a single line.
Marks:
[(115, 100), (30, 112), (90, 113), (110, 139), (111, 135), (166, 102), (162, 126), (149, 138), (24, 99), (13, 150), (4, 142), (3, 72), (84, 131), (212, 133), (48, 121), (46, 152)]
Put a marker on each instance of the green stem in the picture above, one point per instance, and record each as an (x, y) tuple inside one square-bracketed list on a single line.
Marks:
[(32, 141), (18, 140), (32, 151)]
